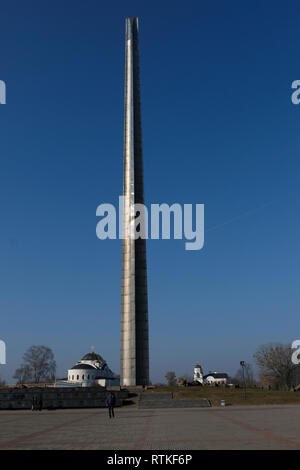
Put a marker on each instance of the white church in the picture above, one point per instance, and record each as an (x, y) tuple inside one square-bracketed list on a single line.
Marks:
[(92, 369), (213, 378)]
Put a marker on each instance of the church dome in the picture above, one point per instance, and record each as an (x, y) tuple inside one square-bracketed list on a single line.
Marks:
[(92, 356)]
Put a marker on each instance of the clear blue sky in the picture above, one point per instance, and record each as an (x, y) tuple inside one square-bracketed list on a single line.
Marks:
[(219, 128)]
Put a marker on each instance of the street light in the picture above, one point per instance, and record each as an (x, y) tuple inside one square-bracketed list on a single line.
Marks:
[(243, 364)]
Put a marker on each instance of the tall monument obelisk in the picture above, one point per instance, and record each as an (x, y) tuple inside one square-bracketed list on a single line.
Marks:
[(134, 316)]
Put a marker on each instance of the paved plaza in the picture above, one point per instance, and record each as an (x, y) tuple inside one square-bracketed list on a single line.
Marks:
[(264, 427)]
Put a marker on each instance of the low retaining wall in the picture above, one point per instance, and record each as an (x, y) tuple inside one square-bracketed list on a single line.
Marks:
[(166, 400), (55, 398)]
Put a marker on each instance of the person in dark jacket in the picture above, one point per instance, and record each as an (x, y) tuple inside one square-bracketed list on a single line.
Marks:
[(41, 403), (34, 403), (111, 403)]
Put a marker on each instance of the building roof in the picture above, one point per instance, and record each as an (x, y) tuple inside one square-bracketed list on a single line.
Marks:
[(216, 375), (92, 356), (83, 366)]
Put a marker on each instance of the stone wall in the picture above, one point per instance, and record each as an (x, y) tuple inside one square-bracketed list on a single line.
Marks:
[(55, 398)]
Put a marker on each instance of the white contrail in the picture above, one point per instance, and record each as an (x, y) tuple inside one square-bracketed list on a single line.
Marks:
[(250, 211)]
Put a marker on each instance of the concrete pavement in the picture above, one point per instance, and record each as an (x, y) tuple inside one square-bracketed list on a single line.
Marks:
[(251, 427)]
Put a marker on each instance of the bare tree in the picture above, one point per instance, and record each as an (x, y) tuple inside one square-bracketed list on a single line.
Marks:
[(275, 365), (234, 381), (38, 365), (188, 378), (171, 378), (23, 374), (181, 381), (185, 380), (248, 373), (296, 375)]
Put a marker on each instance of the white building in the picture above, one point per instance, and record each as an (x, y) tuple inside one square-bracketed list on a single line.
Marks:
[(216, 378), (198, 374), (91, 369)]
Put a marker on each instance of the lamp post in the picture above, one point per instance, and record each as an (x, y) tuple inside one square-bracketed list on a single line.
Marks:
[(243, 364)]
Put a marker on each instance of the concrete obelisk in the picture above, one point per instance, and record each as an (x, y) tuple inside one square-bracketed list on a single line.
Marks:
[(134, 315)]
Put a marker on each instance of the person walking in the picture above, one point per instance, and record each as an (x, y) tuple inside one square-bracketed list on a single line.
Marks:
[(35, 404), (41, 403), (111, 403)]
